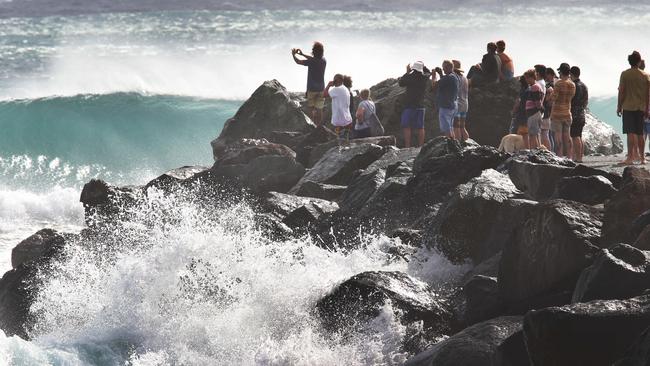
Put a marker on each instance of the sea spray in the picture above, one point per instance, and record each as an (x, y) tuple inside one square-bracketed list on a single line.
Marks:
[(207, 286)]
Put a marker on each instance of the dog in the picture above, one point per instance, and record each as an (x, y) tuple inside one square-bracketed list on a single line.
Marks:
[(513, 143)]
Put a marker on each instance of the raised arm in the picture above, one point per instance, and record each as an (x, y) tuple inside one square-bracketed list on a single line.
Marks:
[(295, 52), (326, 92)]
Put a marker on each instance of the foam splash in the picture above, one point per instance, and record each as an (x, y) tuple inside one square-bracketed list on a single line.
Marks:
[(204, 286)]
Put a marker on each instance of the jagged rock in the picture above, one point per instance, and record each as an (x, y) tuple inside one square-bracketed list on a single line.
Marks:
[(632, 199), (643, 241), (537, 157), (271, 108), (286, 138), (640, 224), (639, 353), (317, 137), (300, 218), (35, 246), (330, 192), (338, 165), (474, 346), (512, 351), (477, 219), (318, 151), (280, 205), (551, 245), (489, 268), (244, 151), (482, 299), (490, 108), (589, 190), (104, 203), (175, 177), (600, 138), (620, 272), (18, 286), (585, 334), (358, 300), (407, 236)]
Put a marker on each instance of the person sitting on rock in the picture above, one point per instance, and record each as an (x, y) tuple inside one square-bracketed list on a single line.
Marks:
[(460, 120), (415, 80), (507, 65), (446, 97), (316, 65), (340, 95), (563, 91), (489, 70), (364, 113), (578, 113)]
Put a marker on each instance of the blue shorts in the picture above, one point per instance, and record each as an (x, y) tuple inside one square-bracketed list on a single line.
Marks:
[(461, 115), (413, 118), (647, 127), (446, 119)]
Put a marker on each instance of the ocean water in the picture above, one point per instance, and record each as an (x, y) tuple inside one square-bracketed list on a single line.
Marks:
[(127, 96)]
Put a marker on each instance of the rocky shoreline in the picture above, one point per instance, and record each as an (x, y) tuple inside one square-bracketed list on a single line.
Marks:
[(557, 252)]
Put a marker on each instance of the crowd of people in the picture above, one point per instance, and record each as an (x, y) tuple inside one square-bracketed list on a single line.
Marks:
[(550, 112)]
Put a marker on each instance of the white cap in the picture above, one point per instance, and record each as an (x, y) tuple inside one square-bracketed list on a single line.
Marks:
[(418, 66)]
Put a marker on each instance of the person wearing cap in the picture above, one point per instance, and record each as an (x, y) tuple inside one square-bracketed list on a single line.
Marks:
[(578, 113), (415, 80), (507, 65), (340, 95), (489, 70), (446, 97), (563, 92), (316, 65), (633, 107), (460, 120), (546, 136)]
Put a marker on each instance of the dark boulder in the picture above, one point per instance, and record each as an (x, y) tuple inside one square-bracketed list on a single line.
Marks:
[(318, 151), (482, 300), (620, 272), (585, 334), (315, 138), (639, 353), (271, 108), (244, 151), (643, 241), (475, 346), (632, 199), (477, 218), (281, 205), (175, 177), (19, 286), (551, 246), (339, 163), (589, 190), (537, 181), (640, 224), (355, 302), (309, 213), (36, 246), (330, 192), (104, 203), (490, 109)]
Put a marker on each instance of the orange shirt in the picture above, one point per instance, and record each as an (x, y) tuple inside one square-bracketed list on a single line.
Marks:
[(563, 92)]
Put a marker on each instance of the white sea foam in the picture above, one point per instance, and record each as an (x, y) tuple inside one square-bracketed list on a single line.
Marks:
[(205, 292)]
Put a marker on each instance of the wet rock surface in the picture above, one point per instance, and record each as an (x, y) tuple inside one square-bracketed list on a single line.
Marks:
[(632, 199), (589, 190)]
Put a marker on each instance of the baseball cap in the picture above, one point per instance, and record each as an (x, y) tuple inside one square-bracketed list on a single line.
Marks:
[(564, 68)]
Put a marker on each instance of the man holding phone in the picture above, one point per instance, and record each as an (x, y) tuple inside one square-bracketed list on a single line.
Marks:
[(316, 65)]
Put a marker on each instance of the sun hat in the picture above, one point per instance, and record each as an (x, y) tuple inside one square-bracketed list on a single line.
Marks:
[(418, 66), (457, 66)]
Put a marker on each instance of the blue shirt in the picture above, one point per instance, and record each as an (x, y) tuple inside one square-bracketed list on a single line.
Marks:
[(315, 73), (447, 91)]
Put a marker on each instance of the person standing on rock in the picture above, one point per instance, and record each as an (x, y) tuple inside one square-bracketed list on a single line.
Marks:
[(633, 107), (460, 120), (341, 117), (563, 92), (446, 97), (534, 107), (316, 65), (507, 65), (415, 81), (578, 114), (546, 136)]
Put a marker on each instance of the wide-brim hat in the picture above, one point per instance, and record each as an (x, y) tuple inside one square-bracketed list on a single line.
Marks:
[(418, 66), (457, 66)]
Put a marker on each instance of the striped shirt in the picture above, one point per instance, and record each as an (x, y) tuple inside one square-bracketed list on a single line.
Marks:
[(563, 92)]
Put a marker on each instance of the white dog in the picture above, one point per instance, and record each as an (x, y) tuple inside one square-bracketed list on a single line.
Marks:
[(511, 143)]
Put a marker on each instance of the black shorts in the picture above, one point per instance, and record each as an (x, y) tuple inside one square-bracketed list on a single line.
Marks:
[(576, 128), (633, 122)]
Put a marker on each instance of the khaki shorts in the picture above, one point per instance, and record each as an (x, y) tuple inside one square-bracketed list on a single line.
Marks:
[(546, 124), (561, 125), (315, 100)]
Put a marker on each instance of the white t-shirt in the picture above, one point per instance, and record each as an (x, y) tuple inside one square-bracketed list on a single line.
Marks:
[(340, 106), (542, 84)]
